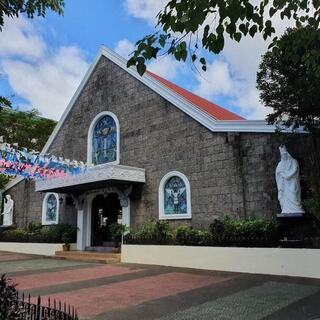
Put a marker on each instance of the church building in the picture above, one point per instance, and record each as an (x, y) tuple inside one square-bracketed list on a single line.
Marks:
[(155, 151)]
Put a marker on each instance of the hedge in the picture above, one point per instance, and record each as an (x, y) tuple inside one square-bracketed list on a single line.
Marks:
[(251, 232), (36, 233)]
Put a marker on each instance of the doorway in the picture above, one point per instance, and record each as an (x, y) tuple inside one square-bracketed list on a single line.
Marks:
[(105, 211)]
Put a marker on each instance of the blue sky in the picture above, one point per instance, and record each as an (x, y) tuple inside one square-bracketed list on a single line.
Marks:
[(42, 61)]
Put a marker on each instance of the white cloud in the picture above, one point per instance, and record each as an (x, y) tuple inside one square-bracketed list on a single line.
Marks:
[(48, 82), (215, 81), (166, 67), (219, 81), (19, 38), (124, 47), (145, 9)]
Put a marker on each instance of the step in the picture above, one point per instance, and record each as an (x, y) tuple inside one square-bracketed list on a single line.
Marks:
[(99, 249), (85, 256)]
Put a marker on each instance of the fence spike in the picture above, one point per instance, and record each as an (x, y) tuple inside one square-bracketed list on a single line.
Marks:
[(49, 302)]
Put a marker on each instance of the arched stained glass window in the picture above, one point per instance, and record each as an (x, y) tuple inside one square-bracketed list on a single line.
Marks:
[(174, 196), (104, 141), (52, 205), (50, 209)]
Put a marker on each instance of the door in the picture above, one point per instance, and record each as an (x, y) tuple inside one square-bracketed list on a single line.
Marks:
[(105, 211)]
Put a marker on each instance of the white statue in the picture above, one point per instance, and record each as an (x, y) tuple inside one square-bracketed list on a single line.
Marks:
[(288, 183), (7, 211)]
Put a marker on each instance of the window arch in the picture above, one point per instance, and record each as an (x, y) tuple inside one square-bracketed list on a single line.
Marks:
[(103, 139), (50, 209), (174, 196)]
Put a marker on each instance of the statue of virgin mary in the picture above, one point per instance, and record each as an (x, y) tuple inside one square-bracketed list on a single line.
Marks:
[(288, 183)]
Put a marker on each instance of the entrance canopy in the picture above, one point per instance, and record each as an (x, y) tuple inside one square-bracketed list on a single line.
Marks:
[(94, 178)]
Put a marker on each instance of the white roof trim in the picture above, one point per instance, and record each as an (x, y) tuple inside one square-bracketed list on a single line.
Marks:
[(180, 102)]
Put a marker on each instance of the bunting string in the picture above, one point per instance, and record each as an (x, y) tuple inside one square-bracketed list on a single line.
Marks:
[(31, 164)]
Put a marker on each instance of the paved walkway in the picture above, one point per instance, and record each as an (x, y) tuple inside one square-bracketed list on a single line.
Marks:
[(123, 291)]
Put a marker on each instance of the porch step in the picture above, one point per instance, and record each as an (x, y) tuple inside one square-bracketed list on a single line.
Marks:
[(99, 249), (86, 256)]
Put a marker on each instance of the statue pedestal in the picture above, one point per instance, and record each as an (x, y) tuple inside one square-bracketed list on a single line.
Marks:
[(289, 215), (294, 230)]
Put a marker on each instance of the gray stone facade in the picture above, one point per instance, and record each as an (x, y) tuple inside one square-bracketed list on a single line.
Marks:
[(229, 173)]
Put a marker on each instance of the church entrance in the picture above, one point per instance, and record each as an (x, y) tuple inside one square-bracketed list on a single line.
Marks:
[(105, 211)]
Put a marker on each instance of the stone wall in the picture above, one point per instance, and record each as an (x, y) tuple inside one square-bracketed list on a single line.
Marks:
[(228, 172), (28, 205)]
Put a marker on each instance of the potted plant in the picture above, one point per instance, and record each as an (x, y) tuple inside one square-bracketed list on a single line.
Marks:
[(117, 230), (66, 238)]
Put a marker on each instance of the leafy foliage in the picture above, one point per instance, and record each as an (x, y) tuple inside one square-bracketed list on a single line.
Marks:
[(249, 228), (188, 236), (117, 230), (153, 232), (289, 79), (312, 206), (27, 129), (185, 26), (228, 232), (9, 308), (60, 233), (13, 8), (5, 103)]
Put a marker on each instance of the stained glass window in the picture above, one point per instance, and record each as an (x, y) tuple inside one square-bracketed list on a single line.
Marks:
[(175, 196), (51, 208), (104, 141)]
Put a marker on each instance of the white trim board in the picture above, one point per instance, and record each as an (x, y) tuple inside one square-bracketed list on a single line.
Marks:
[(180, 102)]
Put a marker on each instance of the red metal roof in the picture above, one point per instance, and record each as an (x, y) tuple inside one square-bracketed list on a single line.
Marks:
[(211, 108)]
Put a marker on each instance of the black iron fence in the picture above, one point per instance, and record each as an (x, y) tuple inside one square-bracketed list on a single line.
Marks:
[(26, 309)]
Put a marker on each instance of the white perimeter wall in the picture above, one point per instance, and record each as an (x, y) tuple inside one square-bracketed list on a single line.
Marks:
[(275, 261), (45, 249)]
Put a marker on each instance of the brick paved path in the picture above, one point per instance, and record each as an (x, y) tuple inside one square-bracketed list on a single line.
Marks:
[(123, 291)]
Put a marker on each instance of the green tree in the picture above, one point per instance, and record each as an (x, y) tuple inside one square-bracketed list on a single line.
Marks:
[(13, 8), (4, 102), (289, 83), (185, 27), (288, 79), (27, 129)]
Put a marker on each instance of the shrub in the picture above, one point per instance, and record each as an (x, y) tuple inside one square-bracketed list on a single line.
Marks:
[(245, 232), (250, 232), (151, 233), (312, 206), (34, 227), (187, 236), (9, 308), (117, 230), (15, 235), (41, 234), (217, 230)]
